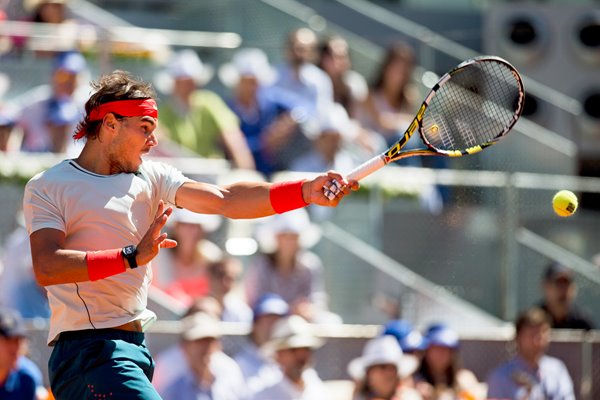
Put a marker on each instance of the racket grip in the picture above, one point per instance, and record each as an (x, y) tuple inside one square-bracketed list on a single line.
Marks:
[(367, 168), (332, 190)]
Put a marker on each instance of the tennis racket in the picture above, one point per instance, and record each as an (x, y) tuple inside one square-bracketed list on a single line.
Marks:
[(470, 108)]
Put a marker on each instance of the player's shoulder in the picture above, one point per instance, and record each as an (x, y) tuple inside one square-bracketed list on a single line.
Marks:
[(55, 172)]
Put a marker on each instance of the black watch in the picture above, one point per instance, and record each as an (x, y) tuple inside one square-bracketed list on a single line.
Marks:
[(129, 253)]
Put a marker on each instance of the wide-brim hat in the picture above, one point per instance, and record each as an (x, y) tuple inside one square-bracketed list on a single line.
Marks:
[(183, 64), (200, 325), (11, 323), (251, 62), (209, 222), (296, 221), (291, 332), (383, 350)]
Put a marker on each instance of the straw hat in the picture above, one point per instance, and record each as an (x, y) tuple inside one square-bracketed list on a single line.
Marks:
[(183, 64), (296, 221), (251, 62), (200, 325), (292, 332), (383, 350)]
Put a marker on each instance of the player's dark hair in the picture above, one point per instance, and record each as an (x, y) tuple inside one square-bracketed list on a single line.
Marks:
[(118, 85)]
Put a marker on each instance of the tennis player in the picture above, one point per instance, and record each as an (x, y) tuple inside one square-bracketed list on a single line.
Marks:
[(95, 224)]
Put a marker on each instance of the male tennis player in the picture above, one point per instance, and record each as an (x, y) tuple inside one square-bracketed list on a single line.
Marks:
[(95, 224)]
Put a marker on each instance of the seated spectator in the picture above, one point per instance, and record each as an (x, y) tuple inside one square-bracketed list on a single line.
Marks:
[(560, 289), (20, 378), (392, 102), (49, 115), (531, 374), (383, 372), (439, 375), (333, 129), (209, 373), (268, 115), (349, 87), (285, 266), (309, 84), (260, 371), (19, 289), (182, 271), (292, 344), (223, 275), (198, 119)]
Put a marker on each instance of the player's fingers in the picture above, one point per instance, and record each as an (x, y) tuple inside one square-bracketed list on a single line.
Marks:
[(161, 221), (333, 175), (168, 244)]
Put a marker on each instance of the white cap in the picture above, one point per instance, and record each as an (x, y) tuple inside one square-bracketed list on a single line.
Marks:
[(183, 64), (247, 62), (383, 350)]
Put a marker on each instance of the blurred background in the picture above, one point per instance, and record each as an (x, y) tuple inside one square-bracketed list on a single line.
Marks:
[(464, 242)]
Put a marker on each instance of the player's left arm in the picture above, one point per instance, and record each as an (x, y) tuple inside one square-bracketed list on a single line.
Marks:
[(252, 199)]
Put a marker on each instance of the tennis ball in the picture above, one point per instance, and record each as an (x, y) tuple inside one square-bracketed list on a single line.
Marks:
[(564, 203)]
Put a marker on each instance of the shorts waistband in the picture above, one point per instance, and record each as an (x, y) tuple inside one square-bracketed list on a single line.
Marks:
[(105, 333)]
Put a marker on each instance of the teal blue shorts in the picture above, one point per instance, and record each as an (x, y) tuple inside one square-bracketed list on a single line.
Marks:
[(101, 364)]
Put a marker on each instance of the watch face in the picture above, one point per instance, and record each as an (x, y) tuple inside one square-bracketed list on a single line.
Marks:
[(128, 250)]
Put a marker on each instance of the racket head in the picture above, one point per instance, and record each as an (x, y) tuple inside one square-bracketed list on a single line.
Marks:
[(471, 107)]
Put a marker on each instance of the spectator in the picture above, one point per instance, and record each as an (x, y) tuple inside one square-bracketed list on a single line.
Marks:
[(306, 82), (182, 271), (349, 87), (49, 115), (18, 288), (560, 289), (392, 102), (292, 344), (20, 378), (171, 363), (210, 374), (260, 371), (531, 374), (223, 275), (333, 130), (198, 119), (383, 372), (287, 268), (268, 115), (439, 375)]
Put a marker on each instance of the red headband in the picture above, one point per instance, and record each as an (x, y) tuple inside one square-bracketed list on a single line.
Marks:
[(125, 108)]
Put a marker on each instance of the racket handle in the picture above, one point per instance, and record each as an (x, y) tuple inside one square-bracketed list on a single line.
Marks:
[(367, 168), (363, 170)]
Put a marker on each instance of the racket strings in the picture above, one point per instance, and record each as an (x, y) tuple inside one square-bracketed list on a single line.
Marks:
[(477, 105)]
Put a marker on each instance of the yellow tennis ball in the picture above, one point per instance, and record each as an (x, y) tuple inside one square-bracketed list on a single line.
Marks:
[(565, 203)]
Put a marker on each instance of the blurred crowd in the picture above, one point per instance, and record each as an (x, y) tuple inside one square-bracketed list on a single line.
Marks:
[(310, 113)]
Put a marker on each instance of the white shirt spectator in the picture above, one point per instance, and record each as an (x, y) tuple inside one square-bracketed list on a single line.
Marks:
[(259, 371), (314, 389)]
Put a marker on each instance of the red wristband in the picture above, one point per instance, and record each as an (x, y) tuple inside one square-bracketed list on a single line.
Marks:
[(105, 263), (286, 196)]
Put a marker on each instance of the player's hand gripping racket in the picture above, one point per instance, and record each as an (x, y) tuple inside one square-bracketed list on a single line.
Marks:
[(470, 108)]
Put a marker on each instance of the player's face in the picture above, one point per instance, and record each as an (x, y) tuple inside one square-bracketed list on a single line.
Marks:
[(135, 138)]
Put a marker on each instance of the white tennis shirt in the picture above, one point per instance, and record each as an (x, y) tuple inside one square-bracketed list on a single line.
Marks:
[(99, 212)]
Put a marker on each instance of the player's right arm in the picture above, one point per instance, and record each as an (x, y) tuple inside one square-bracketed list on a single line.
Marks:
[(54, 264)]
